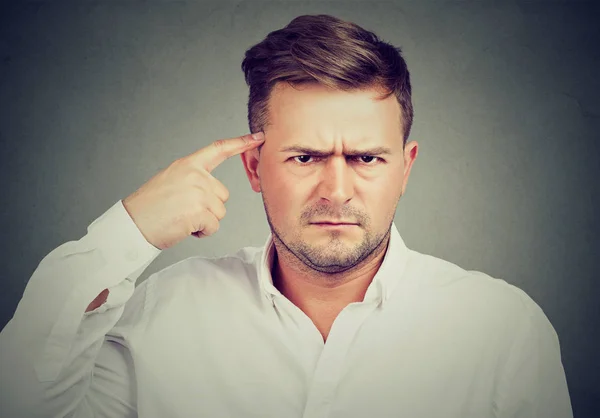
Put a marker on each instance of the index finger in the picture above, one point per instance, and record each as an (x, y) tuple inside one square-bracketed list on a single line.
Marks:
[(217, 152)]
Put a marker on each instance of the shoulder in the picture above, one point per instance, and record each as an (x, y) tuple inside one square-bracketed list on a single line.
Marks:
[(207, 275), (198, 266), (471, 292), (200, 287)]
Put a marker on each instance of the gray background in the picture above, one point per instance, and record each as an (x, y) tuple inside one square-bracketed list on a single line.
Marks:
[(98, 97)]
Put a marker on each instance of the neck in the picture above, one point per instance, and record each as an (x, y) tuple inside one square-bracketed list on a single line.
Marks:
[(310, 289)]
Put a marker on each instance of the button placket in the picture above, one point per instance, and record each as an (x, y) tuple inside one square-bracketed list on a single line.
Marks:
[(329, 366)]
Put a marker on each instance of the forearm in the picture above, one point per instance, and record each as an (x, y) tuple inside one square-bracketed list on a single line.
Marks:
[(48, 349)]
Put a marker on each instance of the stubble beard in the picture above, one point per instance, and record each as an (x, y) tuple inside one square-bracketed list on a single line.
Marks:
[(334, 257)]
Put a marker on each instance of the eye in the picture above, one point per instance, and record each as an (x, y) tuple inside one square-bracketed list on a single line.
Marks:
[(361, 159), (367, 159), (303, 159)]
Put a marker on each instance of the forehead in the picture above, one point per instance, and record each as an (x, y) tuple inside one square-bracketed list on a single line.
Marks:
[(317, 115)]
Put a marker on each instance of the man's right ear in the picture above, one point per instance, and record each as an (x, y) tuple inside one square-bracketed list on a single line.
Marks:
[(251, 160)]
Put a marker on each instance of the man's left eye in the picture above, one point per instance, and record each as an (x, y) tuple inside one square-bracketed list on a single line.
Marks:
[(367, 159)]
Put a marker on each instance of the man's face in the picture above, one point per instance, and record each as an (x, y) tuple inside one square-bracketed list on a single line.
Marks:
[(330, 157)]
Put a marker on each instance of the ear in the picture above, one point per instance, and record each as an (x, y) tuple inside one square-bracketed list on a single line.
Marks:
[(411, 150), (251, 159)]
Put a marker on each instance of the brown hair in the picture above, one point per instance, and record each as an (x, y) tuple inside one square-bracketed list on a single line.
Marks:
[(326, 50)]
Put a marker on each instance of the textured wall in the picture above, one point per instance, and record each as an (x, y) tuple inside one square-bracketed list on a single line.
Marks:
[(95, 98)]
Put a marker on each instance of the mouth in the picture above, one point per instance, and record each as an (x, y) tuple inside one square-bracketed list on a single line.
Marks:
[(333, 224)]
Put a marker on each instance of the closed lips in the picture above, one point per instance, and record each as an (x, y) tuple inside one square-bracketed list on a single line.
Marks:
[(335, 223)]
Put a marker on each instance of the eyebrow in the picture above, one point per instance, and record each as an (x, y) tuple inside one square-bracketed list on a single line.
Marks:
[(321, 153)]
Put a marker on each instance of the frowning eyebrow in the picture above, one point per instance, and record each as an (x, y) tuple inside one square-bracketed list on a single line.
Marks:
[(321, 153)]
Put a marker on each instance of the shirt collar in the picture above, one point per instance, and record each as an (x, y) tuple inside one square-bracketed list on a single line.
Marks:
[(380, 289)]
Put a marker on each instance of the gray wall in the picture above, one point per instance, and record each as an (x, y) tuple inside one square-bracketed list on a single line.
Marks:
[(98, 97)]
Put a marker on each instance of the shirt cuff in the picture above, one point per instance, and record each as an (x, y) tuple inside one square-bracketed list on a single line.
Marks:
[(123, 254), (119, 238)]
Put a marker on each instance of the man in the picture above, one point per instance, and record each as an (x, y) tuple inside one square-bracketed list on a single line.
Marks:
[(333, 317)]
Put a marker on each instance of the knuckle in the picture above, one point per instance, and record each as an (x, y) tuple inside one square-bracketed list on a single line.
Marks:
[(220, 189), (182, 217), (221, 212), (193, 177), (180, 162), (220, 144), (194, 196), (183, 168), (211, 225)]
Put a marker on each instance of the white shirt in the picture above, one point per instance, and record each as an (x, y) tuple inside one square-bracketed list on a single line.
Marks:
[(215, 338)]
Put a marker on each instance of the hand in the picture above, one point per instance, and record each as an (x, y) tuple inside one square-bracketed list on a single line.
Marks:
[(185, 199)]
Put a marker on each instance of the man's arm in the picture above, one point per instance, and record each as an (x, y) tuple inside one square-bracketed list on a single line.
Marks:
[(49, 349), (533, 382)]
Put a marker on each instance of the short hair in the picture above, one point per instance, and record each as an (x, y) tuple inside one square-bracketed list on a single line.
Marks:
[(325, 50)]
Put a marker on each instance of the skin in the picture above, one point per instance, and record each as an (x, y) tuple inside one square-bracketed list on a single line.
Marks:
[(321, 270)]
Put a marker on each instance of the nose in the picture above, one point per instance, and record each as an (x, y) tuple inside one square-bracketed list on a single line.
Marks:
[(337, 182)]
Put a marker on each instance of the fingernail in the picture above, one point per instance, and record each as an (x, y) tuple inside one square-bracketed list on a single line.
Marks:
[(258, 136)]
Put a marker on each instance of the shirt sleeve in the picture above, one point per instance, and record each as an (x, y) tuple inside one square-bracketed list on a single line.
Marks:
[(49, 347), (533, 383)]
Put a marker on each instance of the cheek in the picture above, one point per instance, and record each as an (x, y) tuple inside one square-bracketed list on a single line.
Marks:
[(282, 179), (280, 190), (275, 182), (381, 196)]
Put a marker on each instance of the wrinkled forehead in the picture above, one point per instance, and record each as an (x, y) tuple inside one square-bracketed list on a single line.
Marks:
[(318, 116)]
